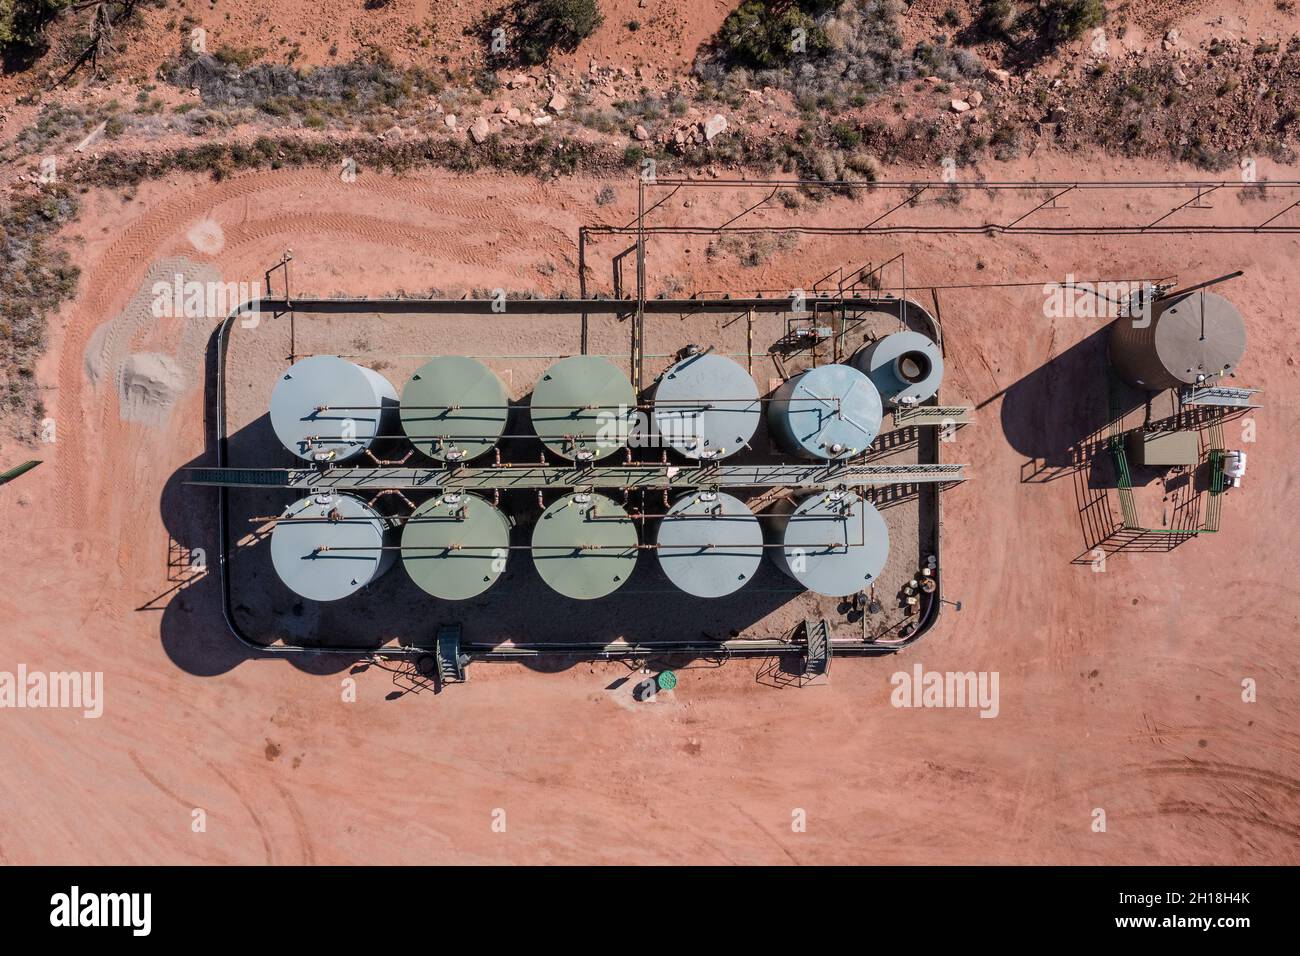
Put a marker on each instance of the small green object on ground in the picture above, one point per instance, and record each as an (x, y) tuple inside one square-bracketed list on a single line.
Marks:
[(17, 470), (667, 680)]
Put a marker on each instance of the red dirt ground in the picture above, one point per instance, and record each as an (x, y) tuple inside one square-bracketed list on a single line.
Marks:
[(1119, 690)]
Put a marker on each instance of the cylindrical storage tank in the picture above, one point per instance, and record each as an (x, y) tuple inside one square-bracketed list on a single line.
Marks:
[(906, 367), (709, 544), (455, 546), (583, 408), (706, 406), (454, 408), (585, 546), (833, 543), (828, 412), (1189, 338), (328, 546), (327, 409)]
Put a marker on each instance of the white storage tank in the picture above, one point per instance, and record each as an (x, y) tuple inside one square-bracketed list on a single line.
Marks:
[(327, 409), (906, 367), (706, 407), (829, 412), (833, 542), (328, 546), (709, 544)]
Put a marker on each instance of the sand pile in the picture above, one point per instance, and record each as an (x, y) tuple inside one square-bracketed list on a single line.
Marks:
[(149, 385)]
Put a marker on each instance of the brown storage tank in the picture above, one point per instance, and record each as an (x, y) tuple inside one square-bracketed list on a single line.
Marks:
[(1191, 338)]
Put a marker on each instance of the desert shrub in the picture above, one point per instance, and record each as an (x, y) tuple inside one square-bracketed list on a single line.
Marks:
[(996, 17), (22, 25), (279, 90), (1039, 27), (241, 57), (760, 33), (1068, 19), (543, 26), (851, 51), (36, 276)]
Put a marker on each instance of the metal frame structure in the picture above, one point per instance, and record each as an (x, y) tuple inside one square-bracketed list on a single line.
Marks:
[(847, 295), (1124, 479), (658, 476), (915, 189)]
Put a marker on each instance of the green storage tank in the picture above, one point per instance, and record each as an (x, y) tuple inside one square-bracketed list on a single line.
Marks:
[(585, 546), (454, 408), (455, 546), (583, 408)]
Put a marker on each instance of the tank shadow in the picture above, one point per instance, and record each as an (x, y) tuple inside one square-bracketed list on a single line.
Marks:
[(1058, 416)]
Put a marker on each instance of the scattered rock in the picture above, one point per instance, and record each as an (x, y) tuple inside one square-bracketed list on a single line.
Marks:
[(479, 129), (450, 120), (559, 102), (1179, 76), (976, 98), (714, 125), (641, 133), (960, 106), (1002, 76), (393, 132), (542, 120), (933, 80), (513, 114)]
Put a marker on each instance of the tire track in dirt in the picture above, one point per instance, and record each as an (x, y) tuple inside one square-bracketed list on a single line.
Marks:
[(1228, 815), (86, 420), (369, 229), (159, 785), (1233, 793), (267, 848), (442, 196), (299, 825), (109, 279), (1220, 771)]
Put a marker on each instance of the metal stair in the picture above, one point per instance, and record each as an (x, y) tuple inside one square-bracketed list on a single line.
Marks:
[(817, 655), (911, 474), (934, 415), (451, 664), (1220, 395)]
